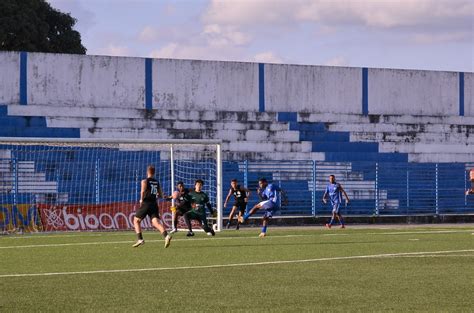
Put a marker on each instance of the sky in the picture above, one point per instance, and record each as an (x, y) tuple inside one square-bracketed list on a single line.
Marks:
[(405, 34)]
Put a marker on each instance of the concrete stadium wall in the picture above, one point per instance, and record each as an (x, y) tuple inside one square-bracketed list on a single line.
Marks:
[(205, 85), (468, 94), (312, 89), (413, 92), (76, 80), (137, 83), (9, 77)]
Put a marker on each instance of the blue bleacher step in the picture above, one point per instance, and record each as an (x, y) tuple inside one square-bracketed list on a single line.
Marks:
[(324, 136), (287, 117), (358, 147), (40, 132), (316, 127), (366, 156), (20, 121), (3, 110)]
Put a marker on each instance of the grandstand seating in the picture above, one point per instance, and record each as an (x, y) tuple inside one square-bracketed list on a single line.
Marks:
[(347, 146)]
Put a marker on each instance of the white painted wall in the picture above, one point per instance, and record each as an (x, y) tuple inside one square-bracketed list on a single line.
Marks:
[(205, 85), (77, 80), (468, 94), (9, 77), (413, 92), (302, 88), (100, 81)]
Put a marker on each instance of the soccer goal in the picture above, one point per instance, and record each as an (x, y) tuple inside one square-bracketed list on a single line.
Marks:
[(55, 184)]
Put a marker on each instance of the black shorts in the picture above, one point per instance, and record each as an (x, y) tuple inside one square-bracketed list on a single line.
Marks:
[(150, 209), (241, 206), (183, 209)]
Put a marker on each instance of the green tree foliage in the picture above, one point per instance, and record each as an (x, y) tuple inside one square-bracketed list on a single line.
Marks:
[(33, 25)]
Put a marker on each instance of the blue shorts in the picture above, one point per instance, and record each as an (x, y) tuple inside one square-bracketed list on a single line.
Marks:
[(269, 207), (335, 208)]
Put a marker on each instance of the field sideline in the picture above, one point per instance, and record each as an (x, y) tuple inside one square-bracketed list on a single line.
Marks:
[(416, 268)]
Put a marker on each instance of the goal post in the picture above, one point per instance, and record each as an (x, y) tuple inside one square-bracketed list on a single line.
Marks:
[(58, 184)]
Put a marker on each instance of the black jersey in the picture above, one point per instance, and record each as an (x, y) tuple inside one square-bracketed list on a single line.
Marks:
[(151, 191), (182, 200), (239, 194)]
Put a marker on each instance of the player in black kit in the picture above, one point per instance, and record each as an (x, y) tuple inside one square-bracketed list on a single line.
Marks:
[(150, 192), (241, 196), (181, 204)]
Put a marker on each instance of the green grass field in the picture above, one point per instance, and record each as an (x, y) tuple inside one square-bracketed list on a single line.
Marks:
[(407, 269)]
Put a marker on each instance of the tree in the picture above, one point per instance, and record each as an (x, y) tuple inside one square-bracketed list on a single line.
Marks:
[(33, 25)]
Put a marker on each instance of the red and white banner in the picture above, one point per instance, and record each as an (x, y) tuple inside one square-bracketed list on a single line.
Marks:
[(111, 216)]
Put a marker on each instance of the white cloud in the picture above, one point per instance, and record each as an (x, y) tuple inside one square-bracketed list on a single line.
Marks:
[(267, 57), (224, 36), (441, 37), (148, 34), (170, 9), (115, 50), (337, 61), (423, 16), (176, 50)]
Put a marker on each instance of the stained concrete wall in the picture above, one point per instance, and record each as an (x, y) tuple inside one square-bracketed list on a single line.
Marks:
[(9, 77), (77, 80), (300, 88), (117, 82), (468, 94), (205, 85), (413, 92)]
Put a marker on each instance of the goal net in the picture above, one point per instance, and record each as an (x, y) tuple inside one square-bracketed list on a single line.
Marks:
[(84, 185)]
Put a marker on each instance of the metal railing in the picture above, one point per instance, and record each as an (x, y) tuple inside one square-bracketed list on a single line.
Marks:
[(375, 188)]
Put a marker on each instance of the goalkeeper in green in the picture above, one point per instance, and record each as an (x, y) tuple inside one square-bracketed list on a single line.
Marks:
[(199, 200)]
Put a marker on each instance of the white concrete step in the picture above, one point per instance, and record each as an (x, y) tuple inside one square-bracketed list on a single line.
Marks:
[(101, 112), (159, 133), (264, 146), (31, 187), (5, 154), (388, 204), (270, 156), (440, 157), (61, 197), (6, 166), (23, 177), (103, 122), (399, 128), (412, 137), (384, 119), (403, 147)]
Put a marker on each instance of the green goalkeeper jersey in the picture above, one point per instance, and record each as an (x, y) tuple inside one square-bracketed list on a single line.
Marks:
[(198, 201)]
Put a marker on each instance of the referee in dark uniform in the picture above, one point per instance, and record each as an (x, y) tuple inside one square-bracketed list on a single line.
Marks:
[(150, 192)]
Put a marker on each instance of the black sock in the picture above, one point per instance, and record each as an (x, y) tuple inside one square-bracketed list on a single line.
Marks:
[(188, 222), (165, 233), (140, 236)]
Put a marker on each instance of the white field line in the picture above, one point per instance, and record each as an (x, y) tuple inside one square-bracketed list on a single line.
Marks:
[(226, 238), (148, 240), (155, 269), (52, 235)]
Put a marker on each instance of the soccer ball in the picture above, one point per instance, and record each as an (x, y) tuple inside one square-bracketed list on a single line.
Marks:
[(214, 227)]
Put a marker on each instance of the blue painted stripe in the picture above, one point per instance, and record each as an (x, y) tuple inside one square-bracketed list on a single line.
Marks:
[(461, 94), (365, 91), (261, 87), (23, 78), (287, 117), (148, 83)]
